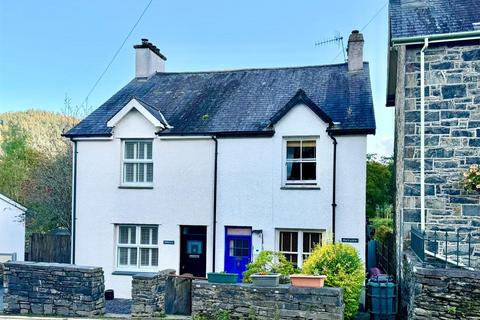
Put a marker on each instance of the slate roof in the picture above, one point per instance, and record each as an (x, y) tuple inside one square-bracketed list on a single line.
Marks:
[(409, 18), (242, 101), (153, 111)]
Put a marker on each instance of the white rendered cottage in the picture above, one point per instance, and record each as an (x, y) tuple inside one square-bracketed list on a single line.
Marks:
[(12, 230), (200, 171)]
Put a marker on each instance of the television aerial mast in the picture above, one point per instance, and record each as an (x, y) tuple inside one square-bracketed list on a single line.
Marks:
[(336, 40)]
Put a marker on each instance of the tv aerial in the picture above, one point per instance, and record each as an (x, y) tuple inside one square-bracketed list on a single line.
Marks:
[(336, 40)]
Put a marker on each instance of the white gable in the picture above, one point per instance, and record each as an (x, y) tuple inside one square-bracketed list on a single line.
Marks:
[(134, 104), (12, 203), (301, 120)]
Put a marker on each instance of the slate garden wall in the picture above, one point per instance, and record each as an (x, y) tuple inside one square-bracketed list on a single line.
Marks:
[(435, 293), (53, 289), (244, 301), (148, 293)]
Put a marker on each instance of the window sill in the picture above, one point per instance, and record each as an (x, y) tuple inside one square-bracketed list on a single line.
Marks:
[(134, 187), (132, 273), (300, 187)]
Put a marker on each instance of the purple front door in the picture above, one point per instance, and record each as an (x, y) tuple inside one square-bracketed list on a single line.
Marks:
[(238, 249)]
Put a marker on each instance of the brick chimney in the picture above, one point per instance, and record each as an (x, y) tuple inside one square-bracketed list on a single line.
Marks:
[(148, 59), (355, 51)]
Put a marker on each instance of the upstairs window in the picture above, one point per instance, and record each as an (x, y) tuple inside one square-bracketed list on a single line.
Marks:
[(137, 162), (301, 162)]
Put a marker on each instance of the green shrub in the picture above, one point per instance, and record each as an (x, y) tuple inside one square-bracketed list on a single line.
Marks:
[(343, 268), (383, 228), (269, 262), (217, 315)]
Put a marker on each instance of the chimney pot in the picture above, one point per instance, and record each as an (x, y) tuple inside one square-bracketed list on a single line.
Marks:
[(148, 59), (355, 51)]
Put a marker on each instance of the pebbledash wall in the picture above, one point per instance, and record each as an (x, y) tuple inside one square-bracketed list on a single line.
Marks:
[(250, 192), (452, 138), (432, 293), (53, 289)]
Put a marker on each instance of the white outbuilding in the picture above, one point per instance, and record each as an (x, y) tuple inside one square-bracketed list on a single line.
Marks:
[(12, 230)]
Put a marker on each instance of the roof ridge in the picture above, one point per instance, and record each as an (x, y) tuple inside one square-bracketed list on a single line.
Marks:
[(260, 69)]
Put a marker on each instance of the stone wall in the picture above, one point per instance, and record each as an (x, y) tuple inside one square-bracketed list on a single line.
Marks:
[(452, 138), (243, 301), (53, 289), (439, 293), (148, 293)]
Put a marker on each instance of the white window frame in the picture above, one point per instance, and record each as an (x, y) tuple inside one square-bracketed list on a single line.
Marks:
[(137, 161), (299, 183), (138, 246), (300, 253)]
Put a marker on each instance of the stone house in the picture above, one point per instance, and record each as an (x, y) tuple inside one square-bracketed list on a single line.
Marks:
[(199, 171), (434, 83)]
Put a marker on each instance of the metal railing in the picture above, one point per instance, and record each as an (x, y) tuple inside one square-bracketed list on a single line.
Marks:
[(445, 249)]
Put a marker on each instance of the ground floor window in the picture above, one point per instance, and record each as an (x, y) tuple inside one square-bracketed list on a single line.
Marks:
[(297, 245), (137, 247)]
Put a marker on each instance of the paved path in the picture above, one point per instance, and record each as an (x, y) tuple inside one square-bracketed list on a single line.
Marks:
[(1, 299), (118, 306)]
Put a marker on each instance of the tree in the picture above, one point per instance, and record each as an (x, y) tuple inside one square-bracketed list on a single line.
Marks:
[(49, 194), (36, 165), (17, 160), (380, 186)]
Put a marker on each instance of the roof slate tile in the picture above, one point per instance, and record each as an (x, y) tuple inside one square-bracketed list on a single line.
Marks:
[(241, 100), (410, 18)]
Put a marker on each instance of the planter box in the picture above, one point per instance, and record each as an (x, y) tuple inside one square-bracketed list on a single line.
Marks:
[(308, 281), (217, 277), (265, 280)]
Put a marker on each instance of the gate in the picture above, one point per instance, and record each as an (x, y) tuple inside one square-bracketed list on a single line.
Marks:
[(49, 248), (386, 256), (178, 294)]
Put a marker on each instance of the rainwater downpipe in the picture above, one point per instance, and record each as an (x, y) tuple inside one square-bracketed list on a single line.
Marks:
[(214, 222), (422, 134), (334, 183), (74, 203)]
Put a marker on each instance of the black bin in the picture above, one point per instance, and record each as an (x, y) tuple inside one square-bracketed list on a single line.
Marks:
[(109, 294)]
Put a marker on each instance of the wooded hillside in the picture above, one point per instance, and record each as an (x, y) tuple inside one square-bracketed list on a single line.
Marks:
[(36, 166)]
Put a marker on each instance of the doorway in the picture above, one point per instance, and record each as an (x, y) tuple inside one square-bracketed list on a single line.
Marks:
[(193, 250), (238, 250)]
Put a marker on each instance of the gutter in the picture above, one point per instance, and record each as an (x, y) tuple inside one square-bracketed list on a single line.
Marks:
[(334, 183), (422, 133), (74, 202), (222, 134), (214, 222), (434, 38), (420, 40)]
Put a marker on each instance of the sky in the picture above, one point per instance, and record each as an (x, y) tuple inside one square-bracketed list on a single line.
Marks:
[(53, 49)]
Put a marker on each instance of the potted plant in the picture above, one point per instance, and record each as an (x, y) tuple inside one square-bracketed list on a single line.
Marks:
[(307, 280), (269, 262), (265, 279), (222, 277), (471, 178)]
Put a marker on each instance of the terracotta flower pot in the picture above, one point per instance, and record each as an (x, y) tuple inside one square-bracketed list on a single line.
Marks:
[(308, 281)]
